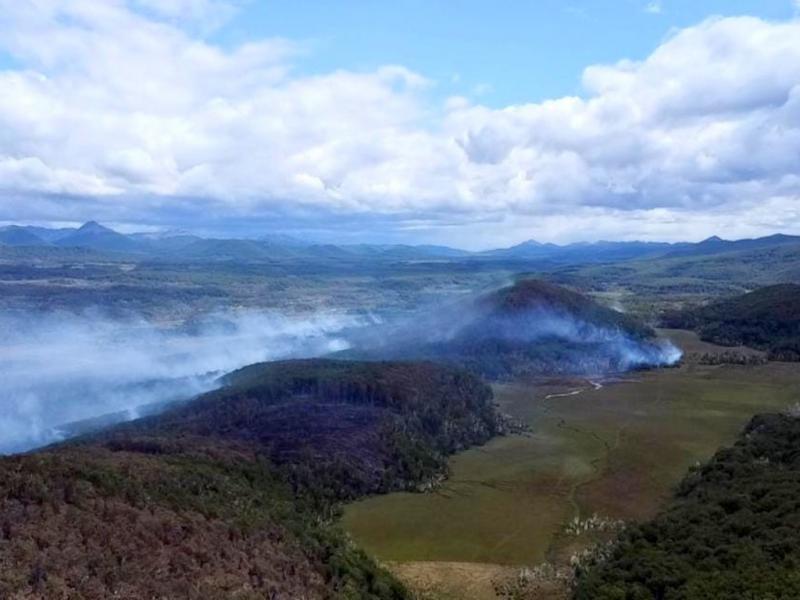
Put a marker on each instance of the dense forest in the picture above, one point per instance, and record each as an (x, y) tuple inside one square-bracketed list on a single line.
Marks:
[(732, 532), (339, 429), (230, 495), (767, 319)]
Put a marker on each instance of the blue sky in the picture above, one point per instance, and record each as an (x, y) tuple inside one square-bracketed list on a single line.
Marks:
[(468, 123), (503, 52)]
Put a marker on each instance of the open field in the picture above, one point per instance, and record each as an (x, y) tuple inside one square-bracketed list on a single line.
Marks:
[(614, 451)]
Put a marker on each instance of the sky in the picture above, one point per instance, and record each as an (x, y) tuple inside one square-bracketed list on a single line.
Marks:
[(472, 124)]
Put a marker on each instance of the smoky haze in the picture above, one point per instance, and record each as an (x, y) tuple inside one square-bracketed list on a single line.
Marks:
[(623, 350), (541, 339), (62, 368)]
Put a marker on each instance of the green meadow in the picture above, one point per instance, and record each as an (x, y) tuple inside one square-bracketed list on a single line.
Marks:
[(614, 451)]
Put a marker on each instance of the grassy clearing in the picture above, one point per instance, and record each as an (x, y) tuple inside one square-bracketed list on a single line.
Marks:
[(475, 581), (615, 452)]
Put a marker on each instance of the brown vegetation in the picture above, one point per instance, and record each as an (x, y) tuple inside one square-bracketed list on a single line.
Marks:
[(230, 495)]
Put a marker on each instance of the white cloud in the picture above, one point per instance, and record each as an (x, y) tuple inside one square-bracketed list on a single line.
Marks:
[(116, 101), (192, 9)]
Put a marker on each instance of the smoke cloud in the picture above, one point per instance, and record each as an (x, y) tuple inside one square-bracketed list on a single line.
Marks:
[(62, 368), (623, 350), (539, 340)]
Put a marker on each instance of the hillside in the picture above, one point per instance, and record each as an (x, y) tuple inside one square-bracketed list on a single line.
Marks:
[(166, 522), (585, 253), (530, 328), (230, 495), (527, 297), (731, 532), (341, 429), (766, 319), (712, 269), (19, 236)]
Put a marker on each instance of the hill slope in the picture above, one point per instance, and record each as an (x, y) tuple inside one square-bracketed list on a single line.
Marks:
[(766, 319), (584, 253), (530, 328), (231, 494), (19, 236), (341, 429), (732, 267), (732, 531)]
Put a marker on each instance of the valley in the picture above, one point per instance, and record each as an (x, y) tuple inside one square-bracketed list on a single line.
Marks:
[(399, 301), (407, 422), (615, 451)]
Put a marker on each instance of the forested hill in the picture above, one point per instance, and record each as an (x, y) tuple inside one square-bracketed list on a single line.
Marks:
[(530, 328), (732, 532), (231, 495), (528, 298), (339, 429), (767, 319)]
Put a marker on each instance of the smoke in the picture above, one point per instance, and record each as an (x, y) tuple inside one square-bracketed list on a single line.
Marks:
[(624, 350), (62, 368), (539, 340)]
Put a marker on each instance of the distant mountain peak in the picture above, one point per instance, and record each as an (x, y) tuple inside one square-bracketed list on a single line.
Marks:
[(93, 227), (712, 239), (98, 237)]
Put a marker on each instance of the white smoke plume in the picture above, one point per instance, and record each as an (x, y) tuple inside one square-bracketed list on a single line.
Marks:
[(550, 339), (61, 368)]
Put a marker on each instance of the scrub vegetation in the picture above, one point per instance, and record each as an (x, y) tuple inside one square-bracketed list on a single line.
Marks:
[(232, 495)]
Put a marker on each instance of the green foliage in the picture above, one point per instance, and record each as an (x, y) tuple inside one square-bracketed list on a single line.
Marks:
[(732, 532), (767, 319), (338, 430)]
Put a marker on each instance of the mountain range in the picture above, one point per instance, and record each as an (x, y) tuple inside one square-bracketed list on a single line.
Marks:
[(180, 245)]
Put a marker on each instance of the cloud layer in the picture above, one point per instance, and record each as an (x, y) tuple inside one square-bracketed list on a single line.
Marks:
[(122, 110)]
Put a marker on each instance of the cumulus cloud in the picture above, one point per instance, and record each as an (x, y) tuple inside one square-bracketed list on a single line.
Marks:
[(117, 105)]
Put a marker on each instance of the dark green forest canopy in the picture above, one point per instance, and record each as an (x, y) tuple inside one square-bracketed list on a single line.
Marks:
[(339, 429), (766, 319), (732, 532)]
